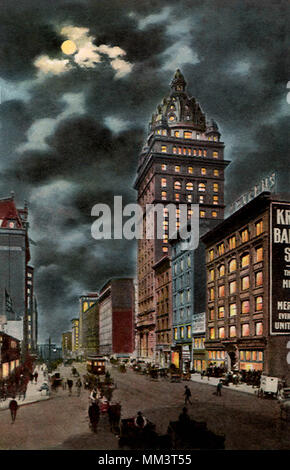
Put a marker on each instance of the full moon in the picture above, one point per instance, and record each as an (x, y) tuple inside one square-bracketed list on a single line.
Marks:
[(68, 47)]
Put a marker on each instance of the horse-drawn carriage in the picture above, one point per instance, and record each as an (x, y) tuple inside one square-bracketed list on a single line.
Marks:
[(193, 435), (135, 437)]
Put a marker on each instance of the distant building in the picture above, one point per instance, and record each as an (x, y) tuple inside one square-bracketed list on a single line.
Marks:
[(75, 336), (90, 333), (31, 318), (49, 351), (248, 281), (66, 344), (85, 301), (116, 317)]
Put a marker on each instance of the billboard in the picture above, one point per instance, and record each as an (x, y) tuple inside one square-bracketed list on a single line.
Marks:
[(198, 323), (280, 268)]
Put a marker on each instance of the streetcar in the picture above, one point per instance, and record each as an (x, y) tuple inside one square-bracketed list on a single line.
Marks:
[(96, 365)]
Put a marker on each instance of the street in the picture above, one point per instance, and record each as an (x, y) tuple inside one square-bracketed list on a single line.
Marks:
[(61, 422)]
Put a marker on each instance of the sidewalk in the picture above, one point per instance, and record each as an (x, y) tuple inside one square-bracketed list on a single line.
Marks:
[(32, 393), (244, 388)]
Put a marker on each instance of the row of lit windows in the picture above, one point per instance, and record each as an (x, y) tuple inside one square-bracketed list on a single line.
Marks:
[(245, 285), (245, 331), (189, 198), (255, 356), (186, 151), (216, 354), (198, 343), (232, 265), (190, 170), (183, 332), (245, 308), (232, 241), (189, 186)]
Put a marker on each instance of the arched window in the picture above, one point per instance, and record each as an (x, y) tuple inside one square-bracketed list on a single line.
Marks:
[(201, 187), (177, 185), (232, 265), (189, 186)]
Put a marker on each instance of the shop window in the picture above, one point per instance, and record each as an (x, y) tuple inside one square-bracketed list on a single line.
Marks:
[(221, 312), (245, 329), (259, 329), (259, 279), (258, 303), (245, 282), (233, 309), (245, 306)]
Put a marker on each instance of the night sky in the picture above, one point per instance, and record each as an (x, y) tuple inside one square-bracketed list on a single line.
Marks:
[(72, 125)]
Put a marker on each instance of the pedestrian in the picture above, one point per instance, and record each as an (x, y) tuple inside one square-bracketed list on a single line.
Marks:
[(94, 415), (70, 385), (187, 394), (13, 406), (79, 386), (36, 377), (219, 389)]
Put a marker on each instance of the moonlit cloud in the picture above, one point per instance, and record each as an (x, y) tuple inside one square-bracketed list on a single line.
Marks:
[(155, 18), (45, 65)]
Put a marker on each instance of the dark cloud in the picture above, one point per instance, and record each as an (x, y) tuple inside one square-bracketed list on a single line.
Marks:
[(239, 78)]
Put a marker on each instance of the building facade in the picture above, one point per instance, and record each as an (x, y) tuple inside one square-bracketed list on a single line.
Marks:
[(91, 330), (9, 355), (116, 317), (85, 302), (247, 315), (66, 345), (163, 308), (75, 336), (181, 162)]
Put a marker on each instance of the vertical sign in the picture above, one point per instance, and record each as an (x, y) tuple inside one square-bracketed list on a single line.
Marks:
[(280, 269)]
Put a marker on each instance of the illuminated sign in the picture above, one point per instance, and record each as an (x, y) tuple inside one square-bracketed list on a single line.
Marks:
[(266, 184), (280, 268)]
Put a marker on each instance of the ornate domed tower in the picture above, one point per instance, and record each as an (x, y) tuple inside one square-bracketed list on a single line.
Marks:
[(182, 162)]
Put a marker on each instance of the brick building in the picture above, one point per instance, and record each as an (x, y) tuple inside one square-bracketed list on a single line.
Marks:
[(248, 308), (181, 162)]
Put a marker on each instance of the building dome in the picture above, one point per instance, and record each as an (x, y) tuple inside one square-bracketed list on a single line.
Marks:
[(178, 109)]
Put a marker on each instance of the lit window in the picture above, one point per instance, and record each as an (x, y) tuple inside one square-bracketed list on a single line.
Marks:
[(175, 333), (259, 254), (163, 149), (245, 329), (174, 149), (216, 172), (211, 333), (232, 243), (188, 331), (204, 153), (211, 255), (259, 279), (215, 154), (201, 199), (221, 291), (259, 227), (245, 282), (187, 135), (179, 150), (177, 197), (201, 187), (233, 331), (233, 265), (164, 167), (203, 171), (259, 329), (245, 235), (163, 182), (214, 214), (194, 152), (189, 186), (233, 309), (215, 200), (211, 275), (165, 249), (245, 260), (188, 151), (177, 169), (258, 304), (211, 313), (184, 151), (221, 270), (221, 249), (200, 153), (197, 136), (211, 293), (176, 134), (164, 195), (221, 312), (233, 287), (245, 306), (215, 187), (189, 197), (221, 332), (164, 132), (182, 332), (177, 185), (202, 214), (171, 118), (190, 170)]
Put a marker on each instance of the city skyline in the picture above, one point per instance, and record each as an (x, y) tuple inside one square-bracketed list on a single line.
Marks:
[(73, 123)]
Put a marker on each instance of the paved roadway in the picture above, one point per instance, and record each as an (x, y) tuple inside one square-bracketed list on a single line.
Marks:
[(62, 423)]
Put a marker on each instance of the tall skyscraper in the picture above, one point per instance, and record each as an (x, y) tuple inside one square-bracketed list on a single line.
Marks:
[(182, 162)]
